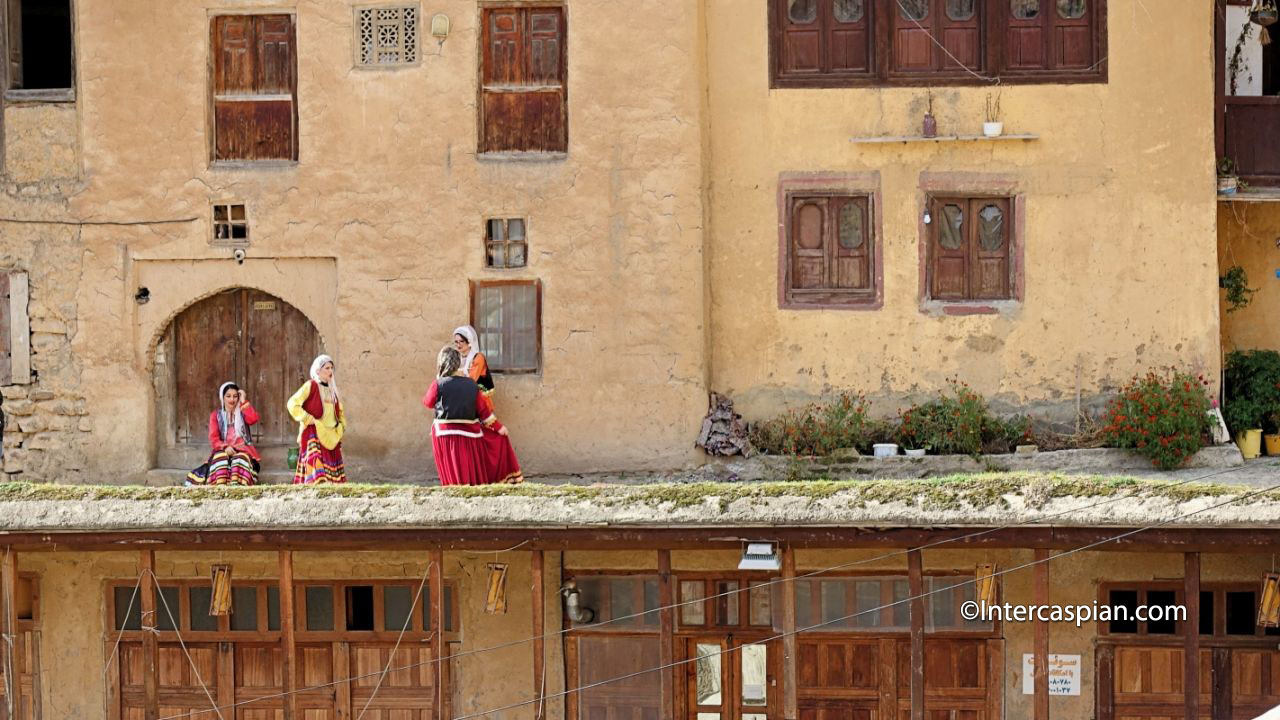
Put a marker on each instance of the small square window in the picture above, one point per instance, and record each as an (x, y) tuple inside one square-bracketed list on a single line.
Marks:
[(230, 225), (386, 36), (505, 244), (508, 318), (970, 249)]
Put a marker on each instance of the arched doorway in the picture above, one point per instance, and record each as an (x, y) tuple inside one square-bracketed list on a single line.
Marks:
[(260, 342)]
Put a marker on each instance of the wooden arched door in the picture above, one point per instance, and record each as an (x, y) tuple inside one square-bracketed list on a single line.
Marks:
[(260, 342)]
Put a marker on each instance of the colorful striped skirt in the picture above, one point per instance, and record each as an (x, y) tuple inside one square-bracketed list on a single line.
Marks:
[(316, 463), (226, 467)]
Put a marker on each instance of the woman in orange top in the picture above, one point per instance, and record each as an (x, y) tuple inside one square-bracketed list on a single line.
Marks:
[(498, 453)]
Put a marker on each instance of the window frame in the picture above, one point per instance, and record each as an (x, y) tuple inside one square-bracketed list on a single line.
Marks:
[(1218, 638), (212, 95), (476, 286), (484, 8), (229, 241), (792, 186), (356, 45), (39, 95), (993, 41), (972, 186), (506, 242)]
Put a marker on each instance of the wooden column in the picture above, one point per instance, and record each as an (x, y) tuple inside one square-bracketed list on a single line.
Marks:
[(288, 642), (150, 649), (1041, 629), (1105, 683), (1191, 636), (539, 642), (9, 626), (666, 637), (435, 578), (915, 580), (790, 702)]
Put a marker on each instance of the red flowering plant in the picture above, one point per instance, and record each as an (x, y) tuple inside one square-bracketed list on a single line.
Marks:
[(958, 422), (1163, 417), (818, 429)]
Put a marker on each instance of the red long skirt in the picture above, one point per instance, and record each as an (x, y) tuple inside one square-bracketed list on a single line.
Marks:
[(463, 460), (316, 463)]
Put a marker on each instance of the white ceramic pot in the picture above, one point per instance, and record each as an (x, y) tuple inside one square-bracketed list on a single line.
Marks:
[(992, 129), (917, 452), (885, 449)]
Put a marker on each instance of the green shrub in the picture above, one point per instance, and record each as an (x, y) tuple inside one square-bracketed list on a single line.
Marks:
[(1251, 390), (818, 429), (1164, 418), (959, 422)]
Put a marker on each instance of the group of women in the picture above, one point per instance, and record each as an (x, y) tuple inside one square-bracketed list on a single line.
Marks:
[(469, 444)]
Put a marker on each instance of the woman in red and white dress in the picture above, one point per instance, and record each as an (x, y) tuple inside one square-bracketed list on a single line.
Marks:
[(462, 415)]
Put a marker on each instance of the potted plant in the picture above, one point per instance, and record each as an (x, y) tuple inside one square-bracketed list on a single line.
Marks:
[(1264, 13), (1236, 283), (993, 127), (1251, 394), (1228, 181)]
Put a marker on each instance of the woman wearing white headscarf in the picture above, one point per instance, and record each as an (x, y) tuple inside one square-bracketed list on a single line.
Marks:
[(500, 456), (318, 409), (233, 459), (474, 364)]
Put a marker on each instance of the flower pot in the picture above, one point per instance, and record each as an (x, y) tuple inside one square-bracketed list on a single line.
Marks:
[(1227, 184), (1250, 443), (917, 452), (292, 459), (885, 449), (1272, 443), (992, 129), (1264, 17)]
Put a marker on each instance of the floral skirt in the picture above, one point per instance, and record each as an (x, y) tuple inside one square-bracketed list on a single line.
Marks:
[(226, 467), (316, 463)]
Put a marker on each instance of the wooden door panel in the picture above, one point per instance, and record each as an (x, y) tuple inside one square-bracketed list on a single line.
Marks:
[(265, 368), (208, 347)]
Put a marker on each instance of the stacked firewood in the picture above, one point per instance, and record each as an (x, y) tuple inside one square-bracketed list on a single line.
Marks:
[(723, 431)]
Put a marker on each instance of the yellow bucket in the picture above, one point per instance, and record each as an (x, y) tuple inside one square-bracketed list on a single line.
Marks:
[(1272, 443), (1250, 443)]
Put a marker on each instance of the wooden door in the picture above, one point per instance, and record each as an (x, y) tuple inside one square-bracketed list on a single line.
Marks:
[(728, 678), (1147, 683), (1255, 681), (598, 660), (249, 337), (26, 658)]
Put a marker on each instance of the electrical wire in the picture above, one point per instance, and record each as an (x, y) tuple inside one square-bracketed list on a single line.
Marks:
[(776, 581)]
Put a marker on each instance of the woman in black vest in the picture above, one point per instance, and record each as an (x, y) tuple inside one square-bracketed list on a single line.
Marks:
[(461, 411)]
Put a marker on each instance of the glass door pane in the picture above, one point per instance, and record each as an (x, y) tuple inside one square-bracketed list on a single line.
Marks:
[(708, 691)]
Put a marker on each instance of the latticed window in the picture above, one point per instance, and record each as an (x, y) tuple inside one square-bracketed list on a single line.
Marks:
[(507, 315), (230, 225), (387, 35), (505, 244), (970, 249)]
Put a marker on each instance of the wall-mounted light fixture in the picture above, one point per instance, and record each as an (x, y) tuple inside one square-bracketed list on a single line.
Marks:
[(760, 556), (440, 26), (143, 296)]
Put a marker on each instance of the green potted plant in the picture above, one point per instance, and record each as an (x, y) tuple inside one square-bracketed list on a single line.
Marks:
[(1236, 282), (1251, 396), (1244, 419), (1228, 181)]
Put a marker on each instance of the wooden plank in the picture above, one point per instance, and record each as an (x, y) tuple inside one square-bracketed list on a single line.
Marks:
[(36, 699), (1104, 685), (995, 678), (150, 649), (226, 678), (887, 678), (1191, 634), (435, 580), (1041, 630), (19, 329), (790, 699), (9, 626), (342, 671), (288, 642), (915, 580), (666, 636), (1222, 692), (539, 630)]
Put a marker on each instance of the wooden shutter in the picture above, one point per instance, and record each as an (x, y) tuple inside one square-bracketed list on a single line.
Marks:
[(960, 25), (254, 87), (1052, 39), (948, 246), (801, 36), (850, 244), (13, 26), (1073, 36), (15, 330), (912, 48), (848, 34), (1026, 40), (808, 243), (989, 230), (523, 98), (970, 247)]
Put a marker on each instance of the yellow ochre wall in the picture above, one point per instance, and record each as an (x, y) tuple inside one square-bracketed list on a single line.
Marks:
[(1119, 223), (1248, 234)]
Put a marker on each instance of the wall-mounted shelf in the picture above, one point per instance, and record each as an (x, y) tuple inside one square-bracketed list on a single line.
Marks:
[(1253, 194), (940, 138)]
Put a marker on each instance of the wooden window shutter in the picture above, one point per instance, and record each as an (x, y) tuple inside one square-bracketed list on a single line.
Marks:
[(989, 230), (808, 243), (15, 330), (255, 87), (850, 244), (523, 96), (949, 248), (13, 26)]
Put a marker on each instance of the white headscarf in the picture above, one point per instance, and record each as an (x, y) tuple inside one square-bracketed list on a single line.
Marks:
[(469, 333), (315, 373), (242, 431)]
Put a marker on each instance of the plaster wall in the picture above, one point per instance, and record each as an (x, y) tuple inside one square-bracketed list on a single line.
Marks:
[(1249, 233)]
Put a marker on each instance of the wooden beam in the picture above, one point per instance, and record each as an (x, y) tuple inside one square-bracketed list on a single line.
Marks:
[(915, 581), (790, 655), (1241, 540), (435, 579), (288, 639), (539, 630), (1221, 693), (9, 626), (1041, 641), (666, 637), (1191, 633), (150, 648), (1105, 684)]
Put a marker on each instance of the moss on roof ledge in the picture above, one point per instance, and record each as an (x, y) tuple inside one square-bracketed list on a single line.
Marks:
[(956, 500)]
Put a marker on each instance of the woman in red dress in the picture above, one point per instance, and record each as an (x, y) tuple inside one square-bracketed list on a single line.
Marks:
[(233, 460), (504, 465), (462, 413)]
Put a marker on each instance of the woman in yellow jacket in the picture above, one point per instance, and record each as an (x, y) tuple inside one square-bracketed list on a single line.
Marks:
[(318, 410)]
